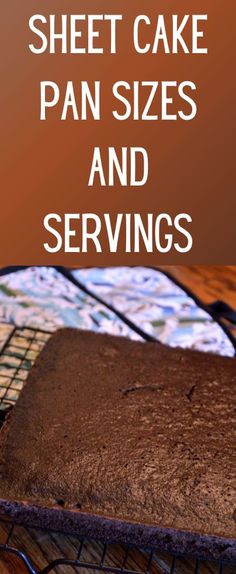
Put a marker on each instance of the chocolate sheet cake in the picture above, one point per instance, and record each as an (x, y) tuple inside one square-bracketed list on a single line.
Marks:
[(126, 441)]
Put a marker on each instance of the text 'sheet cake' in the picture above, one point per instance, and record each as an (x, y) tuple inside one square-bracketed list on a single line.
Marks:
[(136, 442)]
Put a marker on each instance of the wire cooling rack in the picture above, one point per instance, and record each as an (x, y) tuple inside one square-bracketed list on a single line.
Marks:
[(47, 555), (20, 348), (36, 551)]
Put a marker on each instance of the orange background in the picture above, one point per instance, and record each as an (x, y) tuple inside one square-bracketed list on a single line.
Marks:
[(45, 165)]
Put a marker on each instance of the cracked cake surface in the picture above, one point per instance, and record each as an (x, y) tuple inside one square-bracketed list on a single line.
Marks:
[(133, 431)]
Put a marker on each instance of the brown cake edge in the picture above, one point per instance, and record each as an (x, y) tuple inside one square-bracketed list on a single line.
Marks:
[(94, 526)]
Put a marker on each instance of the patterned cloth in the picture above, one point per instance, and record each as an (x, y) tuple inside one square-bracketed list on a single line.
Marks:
[(41, 297)]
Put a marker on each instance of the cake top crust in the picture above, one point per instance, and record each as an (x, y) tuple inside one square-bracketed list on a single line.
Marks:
[(126, 430)]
